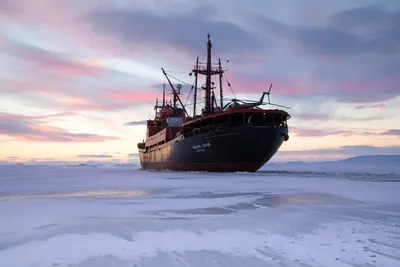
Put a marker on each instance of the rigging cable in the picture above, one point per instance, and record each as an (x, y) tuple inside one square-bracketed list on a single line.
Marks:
[(196, 102), (181, 72), (191, 86), (229, 85), (190, 93), (179, 80)]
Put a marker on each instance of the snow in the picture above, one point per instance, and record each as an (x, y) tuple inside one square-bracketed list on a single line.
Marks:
[(92, 215)]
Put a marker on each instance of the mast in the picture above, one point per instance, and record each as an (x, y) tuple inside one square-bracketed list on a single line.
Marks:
[(163, 97), (175, 98), (155, 108), (195, 88), (208, 77), (220, 83), (207, 70), (214, 101)]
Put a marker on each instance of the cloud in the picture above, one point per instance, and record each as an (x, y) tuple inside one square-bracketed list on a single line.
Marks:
[(42, 159), (31, 129), (180, 31), (360, 91), (164, 32), (378, 106), (353, 56), (309, 132), (99, 156), (363, 30), (315, 116), (370, 20), (75, 96), (39, 117), (366, 92), (7, 6), (133, 155), (61, 18), (50, 61), (395, 132), (332, 117), (251, 84), (133, 123), (133, 96), (21, 86)]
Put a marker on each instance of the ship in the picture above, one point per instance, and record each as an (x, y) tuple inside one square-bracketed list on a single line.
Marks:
[(236, 136)]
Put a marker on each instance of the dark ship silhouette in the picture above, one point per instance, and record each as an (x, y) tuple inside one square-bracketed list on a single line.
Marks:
[(237, 136)]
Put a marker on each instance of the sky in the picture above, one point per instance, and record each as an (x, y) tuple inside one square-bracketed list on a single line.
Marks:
[(78, 79)]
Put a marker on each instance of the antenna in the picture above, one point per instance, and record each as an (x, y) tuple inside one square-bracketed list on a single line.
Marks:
[(220, 84), (195, 88), (163, 99), (268, 93), (269, 100)]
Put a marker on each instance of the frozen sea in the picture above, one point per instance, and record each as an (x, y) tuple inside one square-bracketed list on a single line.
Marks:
[(121, 216)]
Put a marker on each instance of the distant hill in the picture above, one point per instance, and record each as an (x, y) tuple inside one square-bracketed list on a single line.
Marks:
[(361, 164), (372, 159)]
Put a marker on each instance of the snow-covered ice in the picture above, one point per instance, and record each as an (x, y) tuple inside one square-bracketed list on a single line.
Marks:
[(122, 216)]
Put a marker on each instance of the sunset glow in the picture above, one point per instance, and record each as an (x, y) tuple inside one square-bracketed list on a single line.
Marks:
[(81, 78)]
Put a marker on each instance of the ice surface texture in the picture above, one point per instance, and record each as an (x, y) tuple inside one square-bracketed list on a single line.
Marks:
[(90, 216)]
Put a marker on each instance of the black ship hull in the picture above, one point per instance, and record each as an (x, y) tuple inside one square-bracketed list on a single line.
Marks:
[(245, 148)]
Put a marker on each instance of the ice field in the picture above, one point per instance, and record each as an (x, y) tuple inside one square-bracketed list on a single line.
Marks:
[(123, 216)]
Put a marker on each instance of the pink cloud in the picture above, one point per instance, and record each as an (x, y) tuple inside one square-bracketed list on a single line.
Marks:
[(394, 132), (350, 92), (91, 107), (66, 19), (65, 67), (43, 60), (332, 116), (315, 116), (131, 96), (378, 106), (65, 96), (241, 84), (12, 85), (308, 132), (85, 103), (27, 117), (108, 100), (31, 129)]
